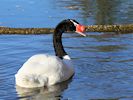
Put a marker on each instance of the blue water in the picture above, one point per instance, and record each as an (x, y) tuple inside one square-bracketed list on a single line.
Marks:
[(103, 62)]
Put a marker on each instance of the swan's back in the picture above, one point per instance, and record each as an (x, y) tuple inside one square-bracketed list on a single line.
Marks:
[(43, 70)]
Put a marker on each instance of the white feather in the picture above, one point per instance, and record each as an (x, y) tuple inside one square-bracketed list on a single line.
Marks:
[(43, 70)]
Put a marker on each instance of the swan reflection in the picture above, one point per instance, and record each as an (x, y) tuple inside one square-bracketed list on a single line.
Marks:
[(43, 93)]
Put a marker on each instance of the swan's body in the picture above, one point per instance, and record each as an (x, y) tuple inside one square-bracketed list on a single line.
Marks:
[(45, 70)]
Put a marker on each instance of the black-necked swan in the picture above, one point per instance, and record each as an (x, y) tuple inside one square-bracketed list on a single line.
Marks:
[(45, 70)]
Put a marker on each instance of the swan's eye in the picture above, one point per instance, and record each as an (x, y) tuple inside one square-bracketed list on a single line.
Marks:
[(72, 27)]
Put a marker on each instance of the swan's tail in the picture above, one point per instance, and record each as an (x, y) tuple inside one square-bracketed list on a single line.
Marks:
[(31, 81)]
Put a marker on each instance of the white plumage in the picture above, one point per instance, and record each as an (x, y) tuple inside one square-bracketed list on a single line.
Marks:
[(43, 70)]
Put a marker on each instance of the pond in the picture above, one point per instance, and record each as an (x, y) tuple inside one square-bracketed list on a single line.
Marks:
[(103, 62)]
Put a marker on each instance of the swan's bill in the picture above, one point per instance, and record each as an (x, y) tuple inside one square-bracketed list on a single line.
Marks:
[(81, 33), (80, 29)]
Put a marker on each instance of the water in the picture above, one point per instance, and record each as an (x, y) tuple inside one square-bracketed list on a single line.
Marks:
[(103, 62)]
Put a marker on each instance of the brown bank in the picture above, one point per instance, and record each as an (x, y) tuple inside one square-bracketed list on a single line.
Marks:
[(127, 28)]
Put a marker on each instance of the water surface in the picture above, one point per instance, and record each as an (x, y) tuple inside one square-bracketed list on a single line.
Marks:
[(103, 62)]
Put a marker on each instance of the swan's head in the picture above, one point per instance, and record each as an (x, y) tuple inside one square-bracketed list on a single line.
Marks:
[(78, 28), (71, 25), (65, 26)]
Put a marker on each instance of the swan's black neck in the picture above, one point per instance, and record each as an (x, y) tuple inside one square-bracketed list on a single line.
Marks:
[(57, 37)]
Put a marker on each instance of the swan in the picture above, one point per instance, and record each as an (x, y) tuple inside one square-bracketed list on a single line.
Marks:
[(46, 70)]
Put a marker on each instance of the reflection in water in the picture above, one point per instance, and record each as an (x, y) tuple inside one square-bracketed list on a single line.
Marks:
[(105, 11), (109, 48), (102, 11), (44, 93), (113, 11)]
